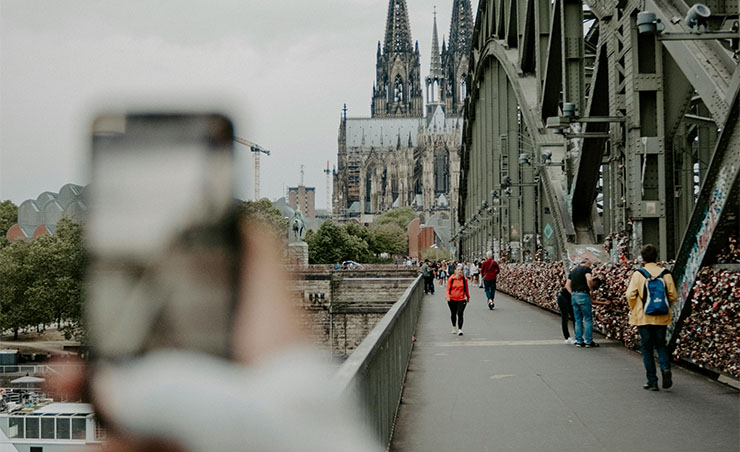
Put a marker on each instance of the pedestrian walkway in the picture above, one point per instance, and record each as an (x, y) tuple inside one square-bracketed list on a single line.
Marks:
[(511, 384)]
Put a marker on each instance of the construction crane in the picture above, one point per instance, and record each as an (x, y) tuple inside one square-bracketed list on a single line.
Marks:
[(327, 171), (256, 150)]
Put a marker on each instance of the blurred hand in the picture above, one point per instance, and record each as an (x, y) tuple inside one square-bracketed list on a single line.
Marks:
[(276, 397)]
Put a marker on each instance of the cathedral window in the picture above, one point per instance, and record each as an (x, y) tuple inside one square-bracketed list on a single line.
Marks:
[(463, 88), (441, 171), (398, 90), (369, 175)]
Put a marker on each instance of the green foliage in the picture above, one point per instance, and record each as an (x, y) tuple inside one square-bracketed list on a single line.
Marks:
[(8, 217), (263, 211), (435, 254), (402, 217), (41, 282), (389, 238), (15, 278), (333, 243)]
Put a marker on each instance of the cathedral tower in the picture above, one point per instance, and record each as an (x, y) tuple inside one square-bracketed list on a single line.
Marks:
[(455, 57), (397, 90)]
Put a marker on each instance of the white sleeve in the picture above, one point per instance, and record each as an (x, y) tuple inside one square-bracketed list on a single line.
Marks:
[(207, 404)]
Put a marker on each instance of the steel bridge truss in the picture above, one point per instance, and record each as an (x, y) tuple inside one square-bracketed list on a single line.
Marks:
[(651, 149)]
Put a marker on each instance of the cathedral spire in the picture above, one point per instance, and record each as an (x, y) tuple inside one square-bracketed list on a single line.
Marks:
[(398, 90), (435, 69), (461, 27), (455, 57), (435, 80), (397, 29)]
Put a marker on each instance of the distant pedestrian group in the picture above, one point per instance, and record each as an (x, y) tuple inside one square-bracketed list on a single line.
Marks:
[(650, 294), (457, 278)]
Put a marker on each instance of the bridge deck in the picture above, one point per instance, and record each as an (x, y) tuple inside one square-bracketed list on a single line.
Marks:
[(511, 384)]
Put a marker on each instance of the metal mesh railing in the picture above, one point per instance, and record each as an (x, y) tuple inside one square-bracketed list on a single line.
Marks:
[(377, 368)]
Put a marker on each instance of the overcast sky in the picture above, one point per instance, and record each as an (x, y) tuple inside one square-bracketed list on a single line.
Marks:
[(281, 69)]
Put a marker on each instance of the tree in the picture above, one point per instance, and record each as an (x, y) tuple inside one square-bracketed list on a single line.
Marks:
[(333, 243), (435, 254), (8, 217), (358, 231), (68, 286), (264, 212), (15, 278), (42, 282), (402, 217), (389, 238)]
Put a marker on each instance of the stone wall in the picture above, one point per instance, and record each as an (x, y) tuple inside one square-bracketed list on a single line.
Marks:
[(339, 308)]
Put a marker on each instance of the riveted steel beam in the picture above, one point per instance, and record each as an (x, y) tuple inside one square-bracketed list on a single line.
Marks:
[(721, 180)]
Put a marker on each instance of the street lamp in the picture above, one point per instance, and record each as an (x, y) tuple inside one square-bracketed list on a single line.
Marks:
[(696, 19), (570, 116)]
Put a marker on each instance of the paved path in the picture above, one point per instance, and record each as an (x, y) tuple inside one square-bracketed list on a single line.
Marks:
[(511, 384)]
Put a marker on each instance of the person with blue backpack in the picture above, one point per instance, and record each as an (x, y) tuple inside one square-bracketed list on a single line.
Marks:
[(650, 294)]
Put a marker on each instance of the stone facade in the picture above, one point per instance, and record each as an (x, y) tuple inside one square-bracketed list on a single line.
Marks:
[(398, 157), (339, 308)]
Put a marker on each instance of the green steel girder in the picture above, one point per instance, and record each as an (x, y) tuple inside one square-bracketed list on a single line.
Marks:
[(592, 155), (528, 55), (552, 75), (705, 63), (647, 162), (572, 53), (524, 89), (721, 180)]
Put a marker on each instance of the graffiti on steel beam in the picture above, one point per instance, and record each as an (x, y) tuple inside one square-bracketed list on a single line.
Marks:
[(704, 236)]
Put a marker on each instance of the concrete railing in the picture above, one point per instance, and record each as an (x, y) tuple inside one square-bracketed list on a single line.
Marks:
[(377, 367)]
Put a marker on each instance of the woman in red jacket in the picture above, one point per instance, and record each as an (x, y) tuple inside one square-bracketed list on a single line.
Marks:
[(458, 297)]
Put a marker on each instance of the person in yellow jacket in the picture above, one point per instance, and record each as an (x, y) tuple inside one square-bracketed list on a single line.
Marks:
[(652, 328)]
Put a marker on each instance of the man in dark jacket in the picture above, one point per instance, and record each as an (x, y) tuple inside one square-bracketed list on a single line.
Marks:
[(428, 274)]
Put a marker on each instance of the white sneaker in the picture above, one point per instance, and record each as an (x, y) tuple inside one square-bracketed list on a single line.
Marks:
[(459, 332), (454, 330), (570, 341)]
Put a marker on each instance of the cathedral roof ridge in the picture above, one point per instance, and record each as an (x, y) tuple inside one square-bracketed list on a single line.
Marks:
[(384, 119)]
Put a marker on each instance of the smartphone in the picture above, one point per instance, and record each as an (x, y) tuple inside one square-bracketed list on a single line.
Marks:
[(162, 235)]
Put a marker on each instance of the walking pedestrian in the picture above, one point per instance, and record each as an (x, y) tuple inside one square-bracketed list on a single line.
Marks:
[(489, 272), (566, 310), (474, 272), (458, 296), (466, 270), (579, 284), (426, 273), (480, 274), (649, 295), (442, 275)]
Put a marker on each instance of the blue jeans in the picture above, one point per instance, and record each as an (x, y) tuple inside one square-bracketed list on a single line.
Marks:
[(490, 288), (653, 337), (583, 314)]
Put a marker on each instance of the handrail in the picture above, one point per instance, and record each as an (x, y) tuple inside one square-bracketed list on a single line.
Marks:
[(376, 370), (36, 369)]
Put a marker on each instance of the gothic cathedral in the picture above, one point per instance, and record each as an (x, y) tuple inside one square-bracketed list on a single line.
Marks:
[(404, 154)]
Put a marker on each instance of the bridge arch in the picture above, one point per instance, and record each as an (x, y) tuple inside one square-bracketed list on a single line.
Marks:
[(650, 116)]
